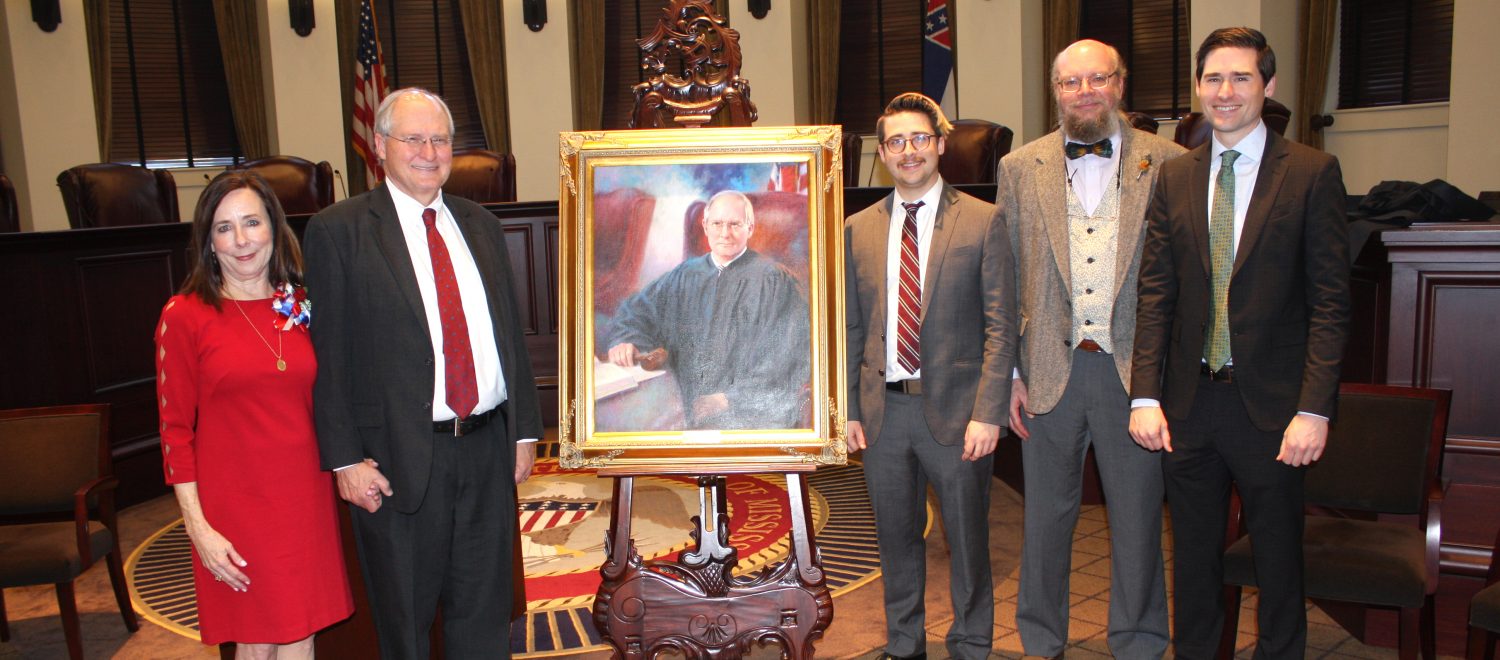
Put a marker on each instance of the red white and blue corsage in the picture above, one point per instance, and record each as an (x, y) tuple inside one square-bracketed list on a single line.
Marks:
[(291, 302)]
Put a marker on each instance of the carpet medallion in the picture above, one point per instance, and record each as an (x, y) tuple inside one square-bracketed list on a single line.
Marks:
[(564, 516)]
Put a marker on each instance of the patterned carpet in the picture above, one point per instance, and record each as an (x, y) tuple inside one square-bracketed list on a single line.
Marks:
[(563, 516)]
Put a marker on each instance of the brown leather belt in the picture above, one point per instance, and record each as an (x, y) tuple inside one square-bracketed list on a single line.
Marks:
[(1090, 346), (1224, 375), (909, 386), (462, 427)]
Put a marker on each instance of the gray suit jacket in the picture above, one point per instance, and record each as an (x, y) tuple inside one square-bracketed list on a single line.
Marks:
[(1031, 199), (968, 317), (375, 377)]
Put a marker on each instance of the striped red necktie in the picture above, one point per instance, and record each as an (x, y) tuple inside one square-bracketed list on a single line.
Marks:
[(909, 304), (458, 356)]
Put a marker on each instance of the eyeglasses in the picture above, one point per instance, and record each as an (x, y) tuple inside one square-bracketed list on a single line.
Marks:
[(417, 141), (721, 225), (1096, 81), (919, 141)]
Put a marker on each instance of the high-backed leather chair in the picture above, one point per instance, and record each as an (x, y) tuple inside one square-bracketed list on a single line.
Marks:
[(622, 220), (56, 462), (1383, 455), (1194, 130), (973, 152), (853, 144), (482, 176), (114, 195), (780, 229), (1144, 122), (302, 186), (1484, 611), (10, 217)]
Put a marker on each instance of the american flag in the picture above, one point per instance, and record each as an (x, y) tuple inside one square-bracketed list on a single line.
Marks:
[(546, 514), (937, 58), (369, 89)]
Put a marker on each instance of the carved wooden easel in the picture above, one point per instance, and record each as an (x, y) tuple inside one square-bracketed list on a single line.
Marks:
[(695, 604)]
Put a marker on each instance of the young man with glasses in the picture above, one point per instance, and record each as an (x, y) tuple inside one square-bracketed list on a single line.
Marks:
[(930, 308), (733, 324), (1075, 203)]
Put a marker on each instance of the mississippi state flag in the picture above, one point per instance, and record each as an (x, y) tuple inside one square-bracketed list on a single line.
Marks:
[(937, 58)]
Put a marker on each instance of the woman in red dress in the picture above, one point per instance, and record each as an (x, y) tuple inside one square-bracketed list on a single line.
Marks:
[(235, 372)]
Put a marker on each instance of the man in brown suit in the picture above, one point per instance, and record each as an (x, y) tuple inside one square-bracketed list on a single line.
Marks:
[(1075, 202), (1244, 310), (930, 312)]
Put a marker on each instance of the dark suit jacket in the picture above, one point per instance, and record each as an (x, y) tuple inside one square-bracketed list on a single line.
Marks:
[(373, 396), (1288, 294), (968, 317)]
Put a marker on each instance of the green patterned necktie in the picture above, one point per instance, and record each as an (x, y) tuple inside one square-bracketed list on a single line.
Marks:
[(1221, 251)]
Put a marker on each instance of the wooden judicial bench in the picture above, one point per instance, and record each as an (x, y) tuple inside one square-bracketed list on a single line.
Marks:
[(82, 306)]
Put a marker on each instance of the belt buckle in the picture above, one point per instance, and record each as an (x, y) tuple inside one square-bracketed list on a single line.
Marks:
[(458, 427)]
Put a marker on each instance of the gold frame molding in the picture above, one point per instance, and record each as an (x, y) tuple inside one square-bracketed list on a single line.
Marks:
[(705, 450)]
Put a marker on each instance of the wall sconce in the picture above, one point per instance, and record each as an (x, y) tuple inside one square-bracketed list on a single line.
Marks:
[(534, 14), (47, 14), (759, 8), (303, 16)]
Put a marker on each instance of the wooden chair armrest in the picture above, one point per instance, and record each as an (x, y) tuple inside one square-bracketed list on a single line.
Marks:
[(1432, 522), (105, 485)]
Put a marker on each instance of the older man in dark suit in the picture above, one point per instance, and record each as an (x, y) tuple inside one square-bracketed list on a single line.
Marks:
[(1244, 310), (930, 309), (424, 389), (1075, 202)]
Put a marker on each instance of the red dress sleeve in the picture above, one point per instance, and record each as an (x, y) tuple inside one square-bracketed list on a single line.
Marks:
[(177, 388)]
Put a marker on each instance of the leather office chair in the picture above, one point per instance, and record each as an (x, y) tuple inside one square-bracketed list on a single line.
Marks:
[(1143, 121), (482, 176), (55, 461), (10, 217), (853, 143), (974, 149), (1193, 130), (1484, 612), (114, 195), (622, 220), (302, 186), (1383, 454)]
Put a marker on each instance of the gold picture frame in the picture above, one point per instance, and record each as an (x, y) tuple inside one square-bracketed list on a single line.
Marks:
[(680, 326)]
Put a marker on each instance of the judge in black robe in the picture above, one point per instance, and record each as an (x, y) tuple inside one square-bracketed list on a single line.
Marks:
[(733, 323)]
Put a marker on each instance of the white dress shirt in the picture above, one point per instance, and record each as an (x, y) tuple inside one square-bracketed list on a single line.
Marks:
[(1092, 175), (487, 374), (926, 220)]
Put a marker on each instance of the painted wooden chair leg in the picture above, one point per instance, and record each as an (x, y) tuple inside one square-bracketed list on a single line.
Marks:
[(68, 609)]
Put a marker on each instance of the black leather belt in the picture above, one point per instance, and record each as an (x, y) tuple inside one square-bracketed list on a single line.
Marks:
[(909, 386), (462, 427), (1224, 375)]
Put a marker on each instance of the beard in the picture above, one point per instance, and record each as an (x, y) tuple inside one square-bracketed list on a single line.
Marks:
[(1087, 130)]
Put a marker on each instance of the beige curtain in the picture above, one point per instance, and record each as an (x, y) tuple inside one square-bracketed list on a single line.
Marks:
[(586, 23), (484, 31), (96, 26), (239, 43), (346, 19), (1061, 29), (823, 59), (1317, 26)]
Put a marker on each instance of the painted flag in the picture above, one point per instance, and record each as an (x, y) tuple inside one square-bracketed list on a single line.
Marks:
[(369, 89), (788, 177), (937, 58)]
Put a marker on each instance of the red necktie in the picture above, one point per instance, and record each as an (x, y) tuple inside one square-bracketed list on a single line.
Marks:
[(909, 303), (458, 358)]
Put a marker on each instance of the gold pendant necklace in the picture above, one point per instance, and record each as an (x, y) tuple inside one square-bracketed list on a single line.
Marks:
[(280, 363)]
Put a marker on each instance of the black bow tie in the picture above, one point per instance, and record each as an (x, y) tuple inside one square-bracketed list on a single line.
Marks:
[(1102, 149)]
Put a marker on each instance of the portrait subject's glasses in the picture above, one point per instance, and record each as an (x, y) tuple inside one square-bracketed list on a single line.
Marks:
[(721, 225), (1096, 81), (417, 141), (919, 142)]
